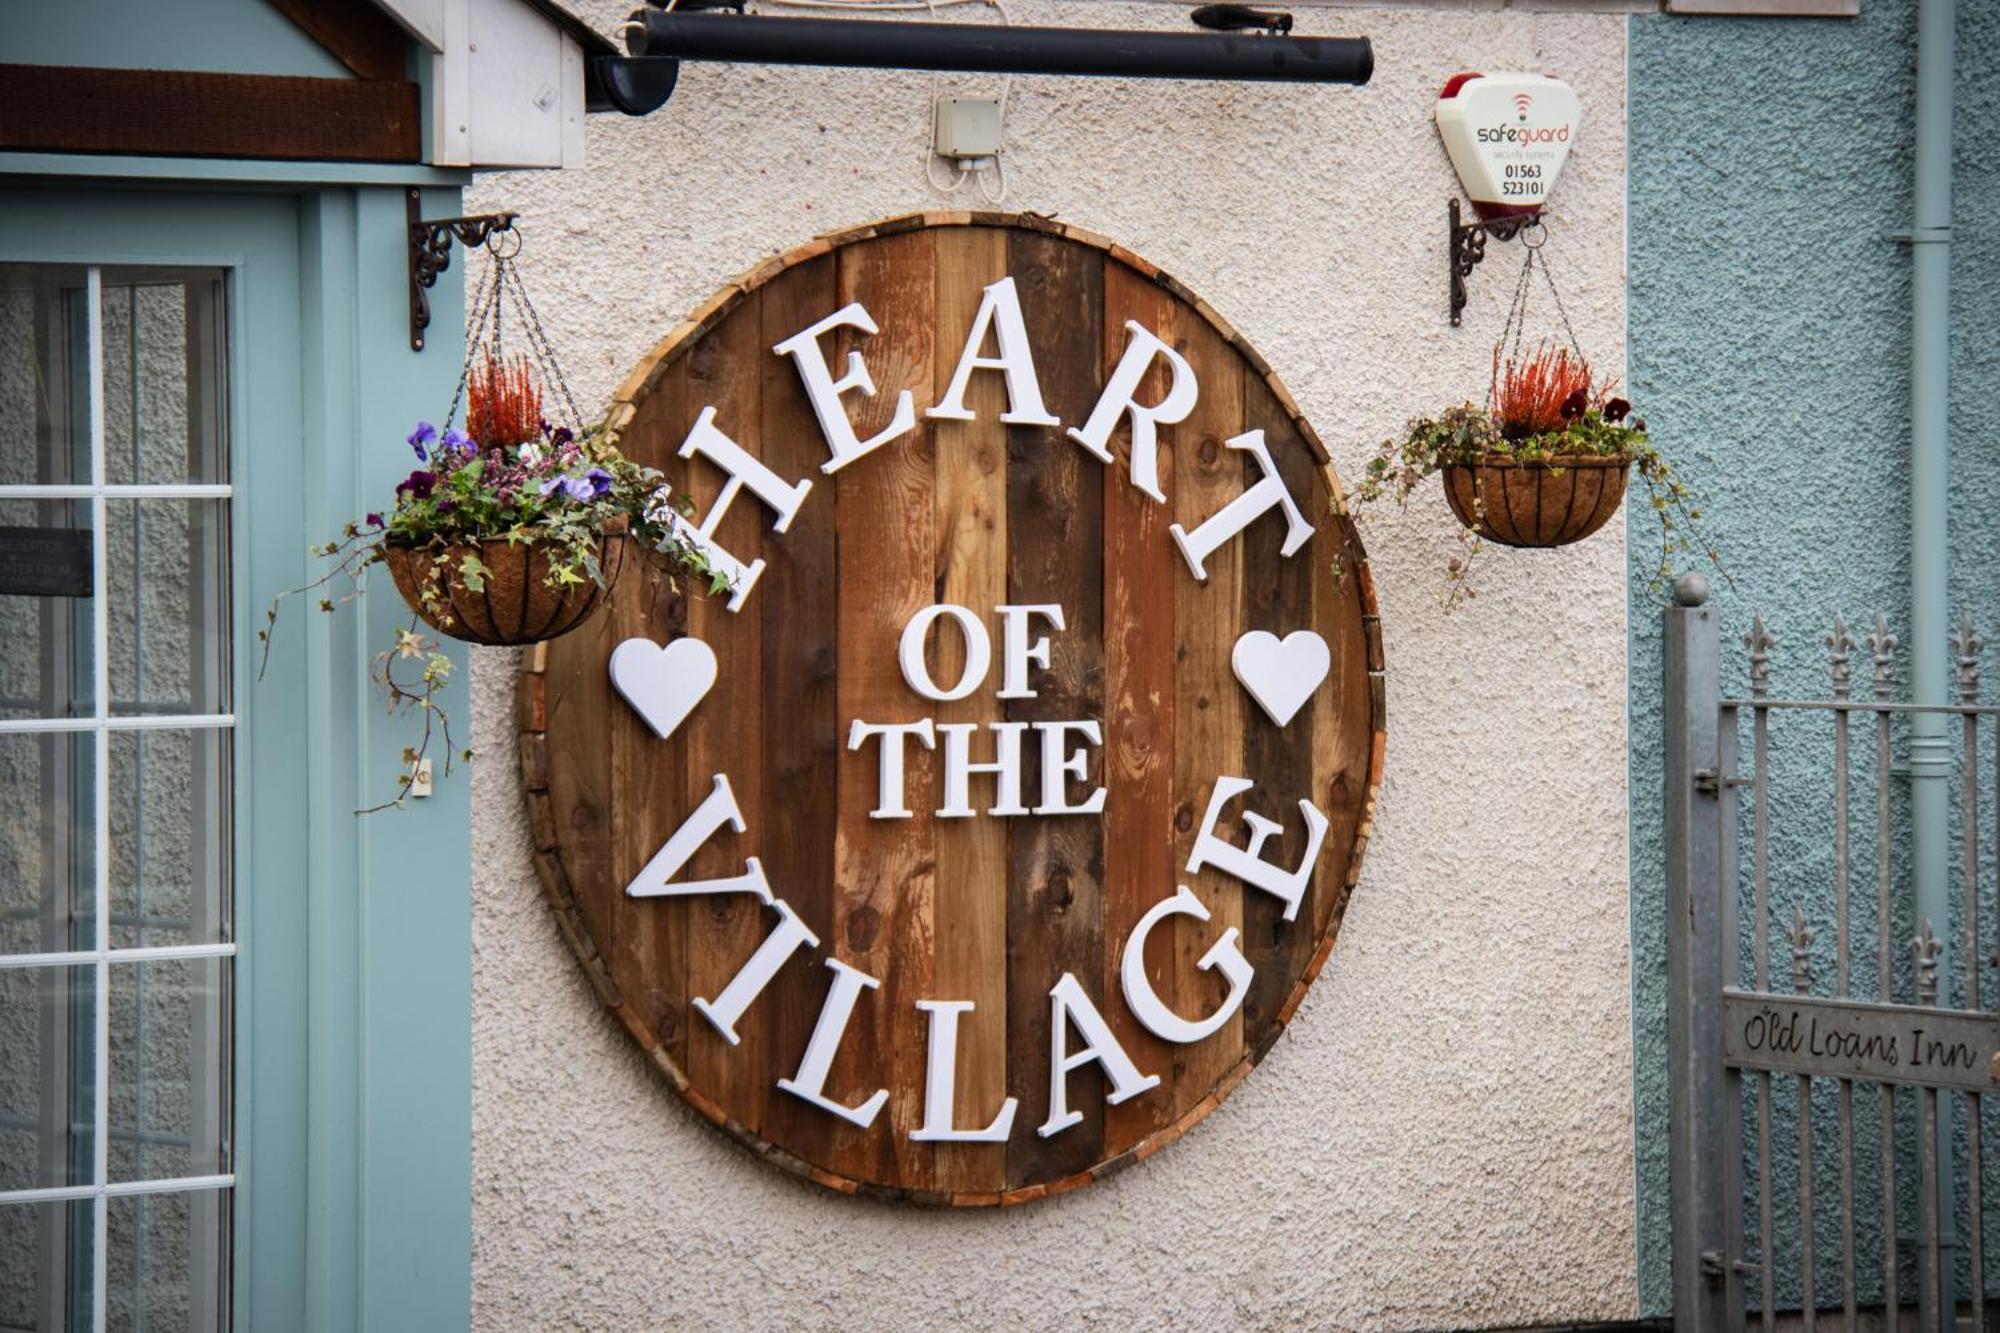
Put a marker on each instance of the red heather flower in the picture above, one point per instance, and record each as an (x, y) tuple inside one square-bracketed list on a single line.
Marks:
[(1539, 395), (504, 404)]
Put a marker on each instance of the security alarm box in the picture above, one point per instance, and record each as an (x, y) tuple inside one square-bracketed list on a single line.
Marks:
[(1508, 136)]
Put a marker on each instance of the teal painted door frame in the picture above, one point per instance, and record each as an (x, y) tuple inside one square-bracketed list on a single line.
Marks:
[(353, 1022)]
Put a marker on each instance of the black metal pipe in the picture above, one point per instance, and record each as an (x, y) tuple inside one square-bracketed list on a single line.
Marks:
[(988, 49)]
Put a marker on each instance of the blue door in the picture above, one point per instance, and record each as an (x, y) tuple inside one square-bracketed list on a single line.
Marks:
[(150, 941), (235, 1057)]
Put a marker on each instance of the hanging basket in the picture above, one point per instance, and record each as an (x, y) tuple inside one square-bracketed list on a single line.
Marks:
[(1540, 503), (516, 603)]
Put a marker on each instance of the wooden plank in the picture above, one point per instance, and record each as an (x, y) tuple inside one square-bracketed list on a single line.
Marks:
[(970, 517), (725, 734), (357, 33), (1209, 705), (650, 776), (1277, 596), (886, 868), (1055, 522), (798, 606), (1141, 573), (1348, 740), (185, 113), (576, 698)]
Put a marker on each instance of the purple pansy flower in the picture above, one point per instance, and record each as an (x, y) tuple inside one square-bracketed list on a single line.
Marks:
[(458, 442), (421, 436), (374, 520), (578, 489), (600, 482), (418, 485)]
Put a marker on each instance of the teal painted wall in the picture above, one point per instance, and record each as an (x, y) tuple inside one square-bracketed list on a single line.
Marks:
[(389, 1116), (353, 1038), (224, 36), (1769, 337)]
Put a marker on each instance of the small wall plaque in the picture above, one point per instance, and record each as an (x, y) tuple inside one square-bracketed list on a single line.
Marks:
[(44, 562)]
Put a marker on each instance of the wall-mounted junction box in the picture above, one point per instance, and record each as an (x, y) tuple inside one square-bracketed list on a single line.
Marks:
[(966, 128)]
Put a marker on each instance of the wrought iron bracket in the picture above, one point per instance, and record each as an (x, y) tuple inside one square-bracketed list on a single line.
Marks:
[(430, 253), (1468, 248)]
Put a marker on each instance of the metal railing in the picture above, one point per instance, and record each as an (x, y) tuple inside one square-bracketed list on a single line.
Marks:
[(1743, 1234)]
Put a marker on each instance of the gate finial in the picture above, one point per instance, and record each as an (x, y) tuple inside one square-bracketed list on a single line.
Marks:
[(1759, 641), (1966, 645), (1800, 937), (1882, 644), (1842, 643), (1927, 946)]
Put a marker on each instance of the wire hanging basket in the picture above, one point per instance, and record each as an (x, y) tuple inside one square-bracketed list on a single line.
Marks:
[(1542, 502), (505, 591)]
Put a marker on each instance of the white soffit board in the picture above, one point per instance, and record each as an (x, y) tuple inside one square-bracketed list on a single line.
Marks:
[(422, 19), (516, 95), (573, 97), (506, 83)]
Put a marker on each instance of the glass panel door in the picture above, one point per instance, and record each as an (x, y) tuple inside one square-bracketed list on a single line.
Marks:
[(117, 952)]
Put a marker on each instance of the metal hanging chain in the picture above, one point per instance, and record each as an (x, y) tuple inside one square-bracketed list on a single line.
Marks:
[(485, 308), (485, 330), (539, 346), (1562, 313), (1517, 309)]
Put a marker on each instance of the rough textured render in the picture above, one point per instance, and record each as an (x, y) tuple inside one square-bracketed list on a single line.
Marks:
[(1443, 1136), (1786, 316)]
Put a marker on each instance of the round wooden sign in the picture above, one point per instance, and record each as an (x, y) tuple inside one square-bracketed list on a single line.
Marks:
[(985, 832)]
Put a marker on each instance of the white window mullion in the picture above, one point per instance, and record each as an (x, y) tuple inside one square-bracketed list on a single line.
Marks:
[(120, 491), (119, 1189), (100, 645), (153, 953), (149, 722)]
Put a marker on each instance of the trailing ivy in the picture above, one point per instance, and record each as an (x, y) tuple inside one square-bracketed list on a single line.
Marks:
[(1544, 410)]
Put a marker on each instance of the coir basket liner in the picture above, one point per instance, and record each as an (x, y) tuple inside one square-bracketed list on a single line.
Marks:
[(516, 603), (1550, 502)]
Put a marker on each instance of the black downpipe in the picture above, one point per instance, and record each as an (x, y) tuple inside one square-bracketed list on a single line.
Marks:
[(985, 49)]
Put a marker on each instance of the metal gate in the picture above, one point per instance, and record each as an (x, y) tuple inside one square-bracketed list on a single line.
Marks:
[(1829, 1051)]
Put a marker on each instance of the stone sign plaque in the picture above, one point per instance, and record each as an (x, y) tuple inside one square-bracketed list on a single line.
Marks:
[(1882, 1043)]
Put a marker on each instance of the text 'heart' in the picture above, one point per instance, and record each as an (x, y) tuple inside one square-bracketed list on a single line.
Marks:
[(1281, 674), (663, 684)]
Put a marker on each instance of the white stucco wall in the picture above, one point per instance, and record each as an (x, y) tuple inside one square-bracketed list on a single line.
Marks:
[(1442, 1138)]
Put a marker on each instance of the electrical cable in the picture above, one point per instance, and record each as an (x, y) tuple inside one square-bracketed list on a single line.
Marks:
[(995, 194)]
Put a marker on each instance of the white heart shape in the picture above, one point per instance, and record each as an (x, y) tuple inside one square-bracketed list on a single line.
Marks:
[(663, 684), (1281, 674)]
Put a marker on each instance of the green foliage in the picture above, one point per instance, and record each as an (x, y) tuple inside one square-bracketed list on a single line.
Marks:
[(1468, 434), (563, 494)]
